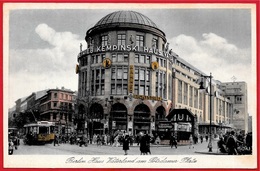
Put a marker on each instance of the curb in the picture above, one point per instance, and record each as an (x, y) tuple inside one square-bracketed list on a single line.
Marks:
[(210, 153)]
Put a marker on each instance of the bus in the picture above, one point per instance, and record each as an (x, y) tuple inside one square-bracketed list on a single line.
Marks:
[(39, 133)]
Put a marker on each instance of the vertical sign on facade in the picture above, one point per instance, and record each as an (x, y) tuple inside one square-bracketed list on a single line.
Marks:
[(131, 79)]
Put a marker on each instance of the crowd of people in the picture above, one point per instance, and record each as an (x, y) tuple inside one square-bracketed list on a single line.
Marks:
[(231, 143), (235, 143), (119, 138)]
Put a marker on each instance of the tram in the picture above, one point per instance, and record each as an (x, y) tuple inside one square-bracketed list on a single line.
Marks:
[(39, 133)]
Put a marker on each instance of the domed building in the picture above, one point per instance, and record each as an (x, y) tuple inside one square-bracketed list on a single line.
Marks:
[(125, 75)]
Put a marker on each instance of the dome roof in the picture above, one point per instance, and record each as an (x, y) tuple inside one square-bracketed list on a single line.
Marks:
[(131, 17)]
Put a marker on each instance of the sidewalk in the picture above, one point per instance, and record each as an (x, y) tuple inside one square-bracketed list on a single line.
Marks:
[(215, 150)]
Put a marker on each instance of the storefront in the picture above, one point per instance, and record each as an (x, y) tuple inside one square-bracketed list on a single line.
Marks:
[(184, 123)]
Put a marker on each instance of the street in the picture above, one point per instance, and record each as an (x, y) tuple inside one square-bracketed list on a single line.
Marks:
[(93, 149)]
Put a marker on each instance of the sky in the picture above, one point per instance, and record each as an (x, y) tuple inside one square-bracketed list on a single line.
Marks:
[(44, 43)]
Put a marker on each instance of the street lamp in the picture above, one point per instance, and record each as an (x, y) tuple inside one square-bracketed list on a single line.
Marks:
[(210, 107)]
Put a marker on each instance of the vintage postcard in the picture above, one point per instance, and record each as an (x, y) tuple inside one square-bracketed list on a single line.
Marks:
[(125, 85)]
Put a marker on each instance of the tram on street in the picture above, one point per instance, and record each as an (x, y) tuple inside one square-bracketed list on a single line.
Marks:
[(41, 132)]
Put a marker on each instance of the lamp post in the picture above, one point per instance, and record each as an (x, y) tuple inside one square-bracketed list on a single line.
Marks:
[(210, 108)]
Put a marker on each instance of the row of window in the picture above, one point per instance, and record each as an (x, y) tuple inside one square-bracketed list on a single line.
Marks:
[(119, 81), (121, 40), (64, 106), (62, 96), (123, 57), (188, 95)]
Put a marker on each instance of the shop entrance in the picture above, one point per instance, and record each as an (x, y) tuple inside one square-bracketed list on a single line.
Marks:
[(95, 118), (118, 118), (141, 119)]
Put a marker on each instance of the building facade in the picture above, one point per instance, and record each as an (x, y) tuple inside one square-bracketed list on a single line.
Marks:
[(236, 92), (125, 74), (58, 106), (130, 79)]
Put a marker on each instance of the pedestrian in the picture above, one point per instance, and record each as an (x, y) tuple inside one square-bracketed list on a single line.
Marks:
[(98, 140), (191, 143), (126, 141), (249, 141), (142, 142), (201, 138), (148, 140), (222, 145), (115, 144), (173, 141), (232, 144), (207, 137), (56, 140)]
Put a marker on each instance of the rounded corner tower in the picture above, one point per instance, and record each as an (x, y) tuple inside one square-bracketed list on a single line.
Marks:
[(125, 20), (124, 75)]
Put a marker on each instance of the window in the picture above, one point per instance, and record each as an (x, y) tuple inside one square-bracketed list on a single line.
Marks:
[(200, 100), (139, 41), (191, 97), (104, 40), (148, 59), (97, 86), (136, 58), (141, 90), (113, 73), (136, 74), (195, 98), (121, 39), (96, 59), (120, 57), (141, 59), (142, 76), (125, 74), (144, 59), (179, 91), (119, 73), (113, 89), (142, 81), (238, 99), (118, 89), (119, 80), (148, 76), (185, 94), (161, 62), (55, 95)]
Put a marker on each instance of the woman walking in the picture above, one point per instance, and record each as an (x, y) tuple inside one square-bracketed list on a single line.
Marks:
[(126, 141)]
